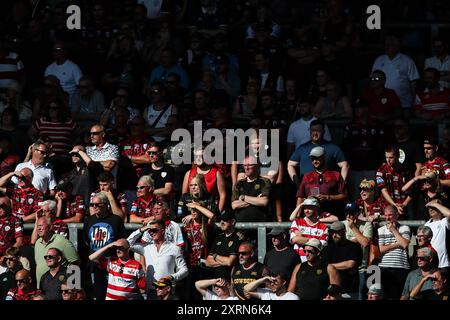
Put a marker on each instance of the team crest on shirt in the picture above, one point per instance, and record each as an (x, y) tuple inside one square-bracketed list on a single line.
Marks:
[(238, 272), (230, 244), (61, 278), (30, 201), (7, 228), (319, 272), (163, 174), (383, 100), (257, 186)]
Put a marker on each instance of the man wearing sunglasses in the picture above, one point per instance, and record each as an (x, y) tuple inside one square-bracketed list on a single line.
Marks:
[(440, 165), (24, 289), (24, 196), (222, 289), (125, 275), (325, 185), (425, 260), (163, 259), (7, 279), (142, 208), (117, 201), (51, 281), (70, 208)]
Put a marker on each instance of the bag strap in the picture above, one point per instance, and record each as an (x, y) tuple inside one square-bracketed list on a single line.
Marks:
[(160, 116)]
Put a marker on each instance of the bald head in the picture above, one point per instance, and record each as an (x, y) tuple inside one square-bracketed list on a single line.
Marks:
[(22, 274)]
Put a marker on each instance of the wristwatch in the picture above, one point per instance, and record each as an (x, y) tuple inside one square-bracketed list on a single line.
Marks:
[(242, 197)]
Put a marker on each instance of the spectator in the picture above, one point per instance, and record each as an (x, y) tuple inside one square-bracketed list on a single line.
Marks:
[(157, 114), (311, 278), (301, 155), (101, 151), (11, 65), (24, 197), (68, 293), (11, 259), (51, 91), (70, 208), (208, 17), (163, 259), (125, 275), (433, 101), (222, 289), (391, 179), (120, 106), (346, 257), (164, 290), (424, 259), (101, 228), (65, 70), (282, 259), (226, 78), (88, 103), (383, 102), (438, 164), (299, 130), (24, 289), (393, 240), (248, 104), (303, 229), (334, 104), (47, 209), (51, 280), (248, 270), (370, 207), (269, 80), (11, 227), (215, 183), (250, 197), (276, 288), (49, 239), (401, 72), (440, 61), (325, 185), (13, 98), (224, 252), (439, 291), (439, 224), (9, 126), (8, 160), (141, 208), (424, 236), (43, 176), (161, 173), (375, 292), (167, 64), (117, 201)]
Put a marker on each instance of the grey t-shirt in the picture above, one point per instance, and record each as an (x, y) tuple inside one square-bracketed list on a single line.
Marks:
[(412, 280)]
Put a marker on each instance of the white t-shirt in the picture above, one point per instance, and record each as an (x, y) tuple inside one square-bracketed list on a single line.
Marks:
[(266, 294), (212, 296), (436, 63), (438, 241), (68, 73), (299, 132)]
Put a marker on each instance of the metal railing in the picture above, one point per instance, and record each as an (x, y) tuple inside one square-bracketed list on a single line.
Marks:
[(261, 228)]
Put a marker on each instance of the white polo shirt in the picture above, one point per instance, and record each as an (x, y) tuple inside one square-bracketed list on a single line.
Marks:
[(68, 73), (43, 176), (400, 71), (438, 241), (443, 65)]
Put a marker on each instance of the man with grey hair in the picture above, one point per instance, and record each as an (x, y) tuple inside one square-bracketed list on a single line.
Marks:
[(43, 176), (423, 238), (48, 209), (425, 258), (101, 228), (142, 208)]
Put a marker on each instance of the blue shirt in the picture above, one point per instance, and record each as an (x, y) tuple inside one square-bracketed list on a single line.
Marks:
[(160, 74), (333, 155)]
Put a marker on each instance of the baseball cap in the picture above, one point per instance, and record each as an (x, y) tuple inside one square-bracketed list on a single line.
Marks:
[(351, 208), (430, 140), (227, 215), (311, 202), (276, 231), (317, 152), (376, 289), (337, 226), (315, 243), (164, 282)]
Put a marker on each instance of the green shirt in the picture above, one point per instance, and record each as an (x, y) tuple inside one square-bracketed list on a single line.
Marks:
[(57, 241)]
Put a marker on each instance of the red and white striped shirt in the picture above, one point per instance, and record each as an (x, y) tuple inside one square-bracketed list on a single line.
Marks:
[(124, 278), (10, 69), (60, 134), (316, 230), (435, 104)]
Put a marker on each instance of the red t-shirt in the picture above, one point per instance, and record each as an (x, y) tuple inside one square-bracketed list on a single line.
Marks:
[(383, 104)]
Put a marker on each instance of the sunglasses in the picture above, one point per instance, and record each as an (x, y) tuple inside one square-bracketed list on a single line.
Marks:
[(244, 253), (96, 205), (141, 187), (4, 205), (375, 79), (42, 152), (310, 251), (10, 259), (428, 148), (95, 133), (152, 153), (66, 291), (21, 280), (155, 230), (49, 257), (365, 189), (421, 258)]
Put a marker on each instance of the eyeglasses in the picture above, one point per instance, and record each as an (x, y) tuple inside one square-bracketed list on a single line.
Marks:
[(422, 259), (310, 251), (141, 187), (43, 152), (244, 253), (49, 257), (155, 230), (95, 133), (96, 205)]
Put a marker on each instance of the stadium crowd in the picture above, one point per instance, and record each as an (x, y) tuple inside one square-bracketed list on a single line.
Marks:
[(85, 137)]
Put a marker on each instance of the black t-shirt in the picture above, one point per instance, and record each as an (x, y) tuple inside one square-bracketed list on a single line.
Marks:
[(7, 282), (241, 277), (282, 262), (51, 285), (161, 176), (430, 294), (335, 253), (312, 281), (260, 186), (411, 151), (225, 246), (99, 232)]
